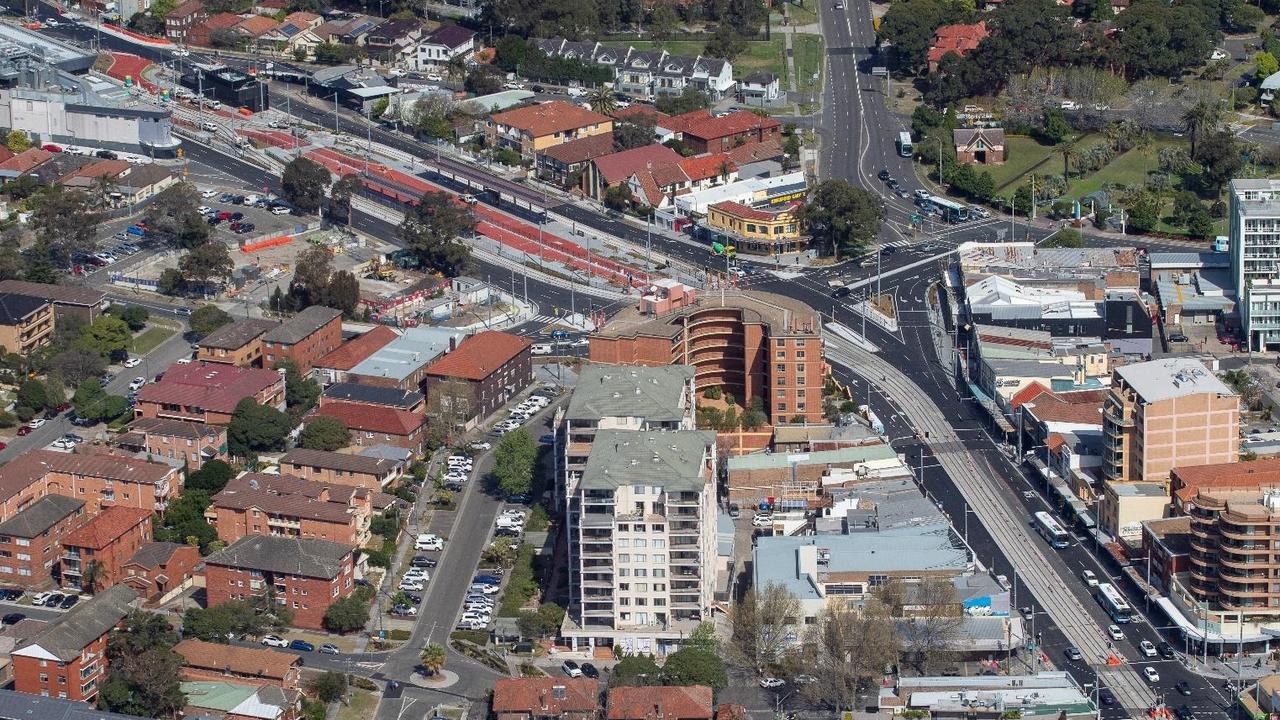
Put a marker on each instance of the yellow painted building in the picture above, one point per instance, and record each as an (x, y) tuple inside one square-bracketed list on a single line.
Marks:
[(530, 130), (760, 232), (26, 323)]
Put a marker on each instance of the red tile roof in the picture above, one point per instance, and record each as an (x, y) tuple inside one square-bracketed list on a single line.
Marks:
[(958, 39), (756, 151), (257, 662), (1255, 473), (1027, 393), (357, 349), (702, 124), (190, 7), (1078, 410), (549, 117), (619, 166), (106, 527), (18, 473), (660, 703), (638, 111), (479, 355), (705, 167), (582, 149), (678, 123), (537, 696), (257, 25), (26, 160), (221, 21), (209, 386), (372, 418)]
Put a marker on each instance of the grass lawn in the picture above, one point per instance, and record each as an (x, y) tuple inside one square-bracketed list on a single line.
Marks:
[(804, 12), (360, 707), (808, 54), (1130, 168), (1021, 154), (149, 340)]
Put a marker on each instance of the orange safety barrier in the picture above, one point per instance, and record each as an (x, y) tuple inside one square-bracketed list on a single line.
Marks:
[(1113, 660), (264, 244)]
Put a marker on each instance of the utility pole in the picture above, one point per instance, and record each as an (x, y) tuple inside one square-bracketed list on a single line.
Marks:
[(335, 112)]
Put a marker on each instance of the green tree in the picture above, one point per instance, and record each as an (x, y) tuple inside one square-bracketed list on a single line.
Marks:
[(1054, 127), (348, 614), (513, 462), (725, 43), (1200, 225), (704, 638), (32, 394), (207, 261), (256, 428), (303, 184), (236, 618), (434, 230), (847, 218), (207, 318), (1065, 238), (108, 336), (618, 197), (342, 293), (1144, 213), (1201, 118), (1266, 65), (331, 686), (135, 316), (1221, 157), (301, 392), (688, 100), (635, 670), (340, 195), (75, 364), (171, 282), (433, 658), (17, 141), (183, 521), (908, 27), (65, 223), (174, 215), (143, 672), (663, 21), (692, 666), (211, 478), (324, 433), (602, 100)]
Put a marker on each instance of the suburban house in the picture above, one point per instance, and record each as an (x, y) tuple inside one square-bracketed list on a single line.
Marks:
[(208, 392), (94, 554), (85, 302), (979, 146), (959, 40), (670, 702), (333, 367), (99, 479), (294, 32), (560, 163), (350, 31), (30, 542), (216, 661), (703, 132), (546, 698), (760, 88), (201, 32), (471, 382), (226, 700), (26, 323), (395, 42), (67, 658), (335, 468), (180, 20), (177, 442), (306, 574), (254, 27), (653, 173), (239, 343), (288, 506), (647, 74), (444, 45), (160, 568), (535, 128), (303, 338), (374, 425)]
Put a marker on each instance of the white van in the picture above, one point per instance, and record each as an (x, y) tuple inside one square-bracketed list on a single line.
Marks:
[(541, 349)]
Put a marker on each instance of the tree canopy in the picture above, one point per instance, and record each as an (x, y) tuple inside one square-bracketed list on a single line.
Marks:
[(324, 433), (513, 462), (434, 230), (207, 318), (303, 184), (174, 215), (143, 673), (844, 217), (256, 428)]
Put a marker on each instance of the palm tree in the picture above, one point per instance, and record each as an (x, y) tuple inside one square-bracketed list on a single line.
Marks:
[(1067, 149), (602, 100), (1197, 119), (433, 658), (89, 580)]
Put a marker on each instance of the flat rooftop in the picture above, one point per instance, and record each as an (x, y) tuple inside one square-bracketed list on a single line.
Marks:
[(1171, 378), (632, 391), (784, 316), (672, 460), (399, 358)]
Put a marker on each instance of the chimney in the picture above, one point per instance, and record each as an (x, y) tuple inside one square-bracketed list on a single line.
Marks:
[(542, 698)]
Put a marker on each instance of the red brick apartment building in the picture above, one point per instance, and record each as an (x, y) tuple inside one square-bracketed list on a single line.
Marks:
[(544, 698), (303, 338), (703, 132), (101, 547), (195, 443), (30, 542), (208, 392), (178, 23), (751, 344), (374, 425), (306, 575), (262, 504), (98, 479), (472, 381), (159, 568), (335, 468), (222, 663), (67, 659)]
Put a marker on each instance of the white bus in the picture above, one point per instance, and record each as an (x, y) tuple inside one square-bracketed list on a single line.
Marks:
[(904, 144), (950, 210), (1050, 530), (1114, 603)]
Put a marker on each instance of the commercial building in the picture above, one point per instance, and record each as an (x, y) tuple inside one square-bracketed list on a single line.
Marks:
[(1165, 414), (94, 554), (26, 323), (239, 343), (472, 381), (305, 574), (333, 368), (158, 570), (1254, 243), (68, 658), (756, 231), (84, 302), (1045, 695), (217, 661), (288, 506), (176, 442), (773, 190), (30, 542), (1166, 543), (792, 481), (753, 345), (208, 392), (402, 363), (99, 479), (530, 130), (226, 85), (546, 698), (641, 528), (335, 468), (303, 338), (1125, 506)]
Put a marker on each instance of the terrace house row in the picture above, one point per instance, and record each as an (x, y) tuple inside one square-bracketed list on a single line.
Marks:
[(647, 74)]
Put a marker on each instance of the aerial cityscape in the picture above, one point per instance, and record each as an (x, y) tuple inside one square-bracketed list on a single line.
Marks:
[(639, 359)]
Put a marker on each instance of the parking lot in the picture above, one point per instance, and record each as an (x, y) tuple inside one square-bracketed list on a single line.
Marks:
[(238, 217)]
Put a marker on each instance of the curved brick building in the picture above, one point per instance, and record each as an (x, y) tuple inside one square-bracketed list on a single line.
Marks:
[(752, 344)]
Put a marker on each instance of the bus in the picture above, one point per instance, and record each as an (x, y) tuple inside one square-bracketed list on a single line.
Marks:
[(951, 211), (1050, 530), (904, 144), (1114, 603)]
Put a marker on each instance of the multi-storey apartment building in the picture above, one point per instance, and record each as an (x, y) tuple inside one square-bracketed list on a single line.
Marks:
[(287, 506), (68, 657), (99, 479), (642, 532), (305, 574), (30, 541), (753, 345), (96, 552), (1165, 414), (26, 323), (209, 392), (1234, 539), (1255, 259)]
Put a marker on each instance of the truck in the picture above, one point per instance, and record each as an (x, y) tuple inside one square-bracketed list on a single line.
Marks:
[(1221, 244)]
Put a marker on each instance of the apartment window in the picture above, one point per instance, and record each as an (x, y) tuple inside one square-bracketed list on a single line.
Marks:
[(23, 542), (877, 580), (782, 393), (799, 354), (782, 354), (624, 572), (640, 542), (624, 602), (659, 587), (780, 342), (623, 587), (642, 601), (659, 558), (799, 407), (782, 368), (658, 544), (641, 557), (782, 407), (24, 556), (624, 557), (799, 367), (642, 587), (44, 677), (800, 342), (641, 572), (623, 543), (800, 393), (659, 573)]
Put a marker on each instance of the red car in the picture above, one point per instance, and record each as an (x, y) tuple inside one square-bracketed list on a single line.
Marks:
[(224, 216), (50, 147), (24, 430)]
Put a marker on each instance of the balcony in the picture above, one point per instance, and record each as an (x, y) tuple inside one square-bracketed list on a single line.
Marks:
[(1109, 412), (287, 523)]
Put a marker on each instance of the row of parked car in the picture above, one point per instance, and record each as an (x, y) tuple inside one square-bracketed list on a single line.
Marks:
[(276, 641), (521, 413), (103, 258), (481, 600)]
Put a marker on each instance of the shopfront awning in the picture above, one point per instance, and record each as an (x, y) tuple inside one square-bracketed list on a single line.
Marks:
[(991, 407), (1193, 631)]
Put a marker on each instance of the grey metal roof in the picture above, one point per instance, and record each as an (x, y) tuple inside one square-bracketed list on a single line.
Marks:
[(673, 460), (399, 358), (22, 706), (388, 452), (15, 308), (154, 554), (298, 327), (238, 333), (66, 637), (40, 516), (373, 394), (652, 393), (1189, 260), (307, 557)]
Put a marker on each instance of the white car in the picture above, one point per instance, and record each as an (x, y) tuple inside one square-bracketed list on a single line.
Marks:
[(1115, 632), (1090, 578), (1147, 648), (50, 22), (428, 541), (471, 625), (484, 588), (132, 363), (474, 616), (206, 194), (280, 210), (1219, 54), (137, 383), (481, 445), (457, 460), (571, 669), (435, 77), (62, 444), (209, 127), (979, 212), (36, 423), (408, 584), (762, 520), (770, 683), (422, 576), (274, 641), (1070, 105), (1152, 675), (181, 52), (40, 599)]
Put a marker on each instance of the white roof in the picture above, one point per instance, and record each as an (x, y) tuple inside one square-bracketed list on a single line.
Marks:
[(1171, 378)]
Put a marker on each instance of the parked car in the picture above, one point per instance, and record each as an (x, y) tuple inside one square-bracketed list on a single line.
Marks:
[(589, 670), (329, 649), (542, 349), (12, 619), (408, 584), (481, 445), (302, 645), (762, 520), (571, 669), (769, 683), (274, 641), (422, 561), (428, 541), (407, 610), (69, 602)]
